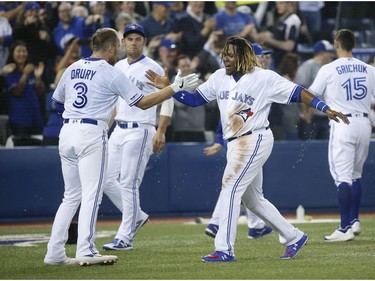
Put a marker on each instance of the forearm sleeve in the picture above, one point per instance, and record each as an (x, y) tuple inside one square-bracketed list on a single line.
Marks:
[(190, 99)]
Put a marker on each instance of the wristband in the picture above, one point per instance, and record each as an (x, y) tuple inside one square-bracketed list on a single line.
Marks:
[(319, 104)]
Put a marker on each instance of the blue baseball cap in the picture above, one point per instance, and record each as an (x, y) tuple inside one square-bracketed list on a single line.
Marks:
[(134, 28), (32, 6), (259, 51), (323, 46), (168, 43), (164, 3)]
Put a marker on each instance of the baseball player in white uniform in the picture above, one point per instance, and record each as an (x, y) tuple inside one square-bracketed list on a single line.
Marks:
[(347, 84), (133, 140), (244, 93), (88, 90), (257, 227)]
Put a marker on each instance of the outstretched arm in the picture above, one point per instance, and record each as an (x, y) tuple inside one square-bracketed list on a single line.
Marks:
[(309, 99)]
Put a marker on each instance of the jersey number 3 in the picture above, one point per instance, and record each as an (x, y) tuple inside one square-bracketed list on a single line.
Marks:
[(355, 88), (81, 99)]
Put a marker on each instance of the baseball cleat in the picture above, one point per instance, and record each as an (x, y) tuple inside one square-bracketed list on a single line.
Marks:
[(67, 261), (255, 233), (97, 259), (356, 227), (211, 230), (218, 257), (117, 244), (292, 250), (339, 236)]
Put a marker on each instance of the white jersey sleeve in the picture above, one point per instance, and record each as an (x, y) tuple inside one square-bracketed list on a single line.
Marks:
[(89, 88)]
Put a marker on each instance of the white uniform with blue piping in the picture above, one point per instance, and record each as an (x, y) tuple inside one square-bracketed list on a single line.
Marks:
[(89, 89), (244, 106)]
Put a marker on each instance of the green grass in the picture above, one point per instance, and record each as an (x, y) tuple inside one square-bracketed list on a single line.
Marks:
[(173, 251)]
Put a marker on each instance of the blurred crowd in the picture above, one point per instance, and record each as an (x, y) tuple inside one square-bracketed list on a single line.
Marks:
[(38, 40)]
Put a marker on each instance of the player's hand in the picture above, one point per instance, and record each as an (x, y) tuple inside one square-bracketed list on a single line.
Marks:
[(334, 115), (158, 142), (184, 83), (158, 81), (213, 149)]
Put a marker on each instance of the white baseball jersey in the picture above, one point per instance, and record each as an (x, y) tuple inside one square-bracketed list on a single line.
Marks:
[(346, 85), (136, 74), (244, 105), (82, 78)]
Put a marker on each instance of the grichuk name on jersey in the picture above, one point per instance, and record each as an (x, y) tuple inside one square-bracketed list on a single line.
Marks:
[(224, 95), (351, 68), (82, 74)]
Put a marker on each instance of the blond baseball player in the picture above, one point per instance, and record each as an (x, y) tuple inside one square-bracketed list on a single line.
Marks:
[(88, 90), (347, 84), (133, 140), (244, 93)]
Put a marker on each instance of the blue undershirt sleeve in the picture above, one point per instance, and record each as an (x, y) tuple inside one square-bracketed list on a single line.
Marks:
[(191, 99), (296, 97)]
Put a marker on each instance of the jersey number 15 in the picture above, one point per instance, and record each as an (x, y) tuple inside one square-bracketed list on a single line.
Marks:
[(355, 88)]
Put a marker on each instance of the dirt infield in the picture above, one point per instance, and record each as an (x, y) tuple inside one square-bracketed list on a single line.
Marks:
[(115, 223)]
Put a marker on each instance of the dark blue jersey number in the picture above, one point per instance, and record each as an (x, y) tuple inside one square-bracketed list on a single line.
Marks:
[(81, 100)]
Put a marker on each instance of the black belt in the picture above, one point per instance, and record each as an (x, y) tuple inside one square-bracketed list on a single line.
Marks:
[(127, 125), (356, 115), (245, 134), (82, 121)]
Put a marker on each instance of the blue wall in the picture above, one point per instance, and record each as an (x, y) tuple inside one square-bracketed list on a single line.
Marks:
[(180, 181)]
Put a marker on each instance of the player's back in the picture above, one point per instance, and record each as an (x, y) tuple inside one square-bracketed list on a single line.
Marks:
[(89, 89), (349, 85)]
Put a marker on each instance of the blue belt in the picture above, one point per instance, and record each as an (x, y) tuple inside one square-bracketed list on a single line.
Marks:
[(356, 115), (82, 121), (127, 125), (245, 134)]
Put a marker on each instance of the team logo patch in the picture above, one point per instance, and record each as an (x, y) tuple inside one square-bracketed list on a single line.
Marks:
[(245, 114)]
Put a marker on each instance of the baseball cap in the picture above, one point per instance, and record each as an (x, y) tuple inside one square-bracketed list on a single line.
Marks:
[(164, 3), (323, 46), (32, 6), (134, 28), (168, 43), (259, 51)]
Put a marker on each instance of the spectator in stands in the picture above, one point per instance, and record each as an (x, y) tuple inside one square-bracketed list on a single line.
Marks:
[(195, 27), (188, 122), (209, 59), (285, 33), (313, 123), (129, 8), (24, 83), (55, 121), (70, 27), (80, 11), (311, 12), (123, 19), (6, 39), (168, 51), (177, 11), (11, 10), (235, 23), (159, 23), (288, 69), (31, 29), (97, 8), (72, 53)]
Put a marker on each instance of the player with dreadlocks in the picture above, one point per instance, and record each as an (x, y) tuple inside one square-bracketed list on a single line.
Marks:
[(244, 93)]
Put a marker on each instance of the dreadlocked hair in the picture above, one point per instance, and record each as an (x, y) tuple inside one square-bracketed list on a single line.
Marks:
[(246, 59)]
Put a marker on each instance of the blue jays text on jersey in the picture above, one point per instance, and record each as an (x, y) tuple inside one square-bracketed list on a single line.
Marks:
[(81, 73), (224, 95), (348, 68)]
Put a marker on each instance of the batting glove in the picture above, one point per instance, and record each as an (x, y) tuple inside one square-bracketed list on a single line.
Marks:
[(184, 83)]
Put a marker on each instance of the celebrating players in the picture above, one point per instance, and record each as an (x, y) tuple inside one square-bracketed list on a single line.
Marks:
[(244, 93)]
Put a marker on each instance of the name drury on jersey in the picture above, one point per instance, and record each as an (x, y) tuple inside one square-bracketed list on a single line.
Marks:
[(82, 74), (349, 68)]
